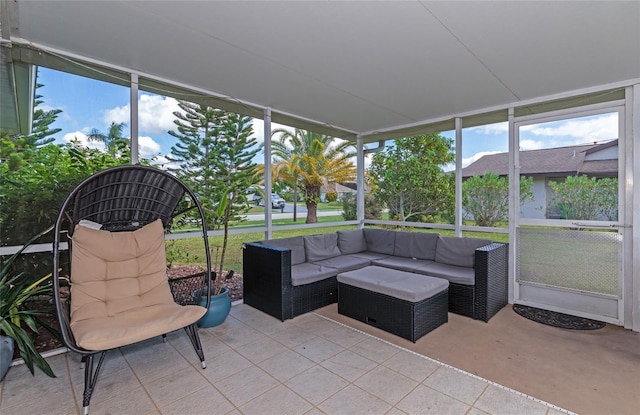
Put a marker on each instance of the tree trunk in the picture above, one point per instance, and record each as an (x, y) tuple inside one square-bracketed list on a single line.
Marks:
[(312, 197), (312, 212), (295, 203), (225, 240)]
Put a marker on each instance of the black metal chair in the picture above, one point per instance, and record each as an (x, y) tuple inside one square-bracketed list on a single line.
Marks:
[(120, 215)]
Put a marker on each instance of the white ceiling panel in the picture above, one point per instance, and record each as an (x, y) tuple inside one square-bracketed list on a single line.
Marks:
[(358, 66)]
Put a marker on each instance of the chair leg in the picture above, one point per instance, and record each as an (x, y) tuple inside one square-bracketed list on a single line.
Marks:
[(192, 332), (90, 378)]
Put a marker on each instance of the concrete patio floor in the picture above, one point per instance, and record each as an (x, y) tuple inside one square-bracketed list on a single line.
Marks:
[(259, 365), (588, 372)]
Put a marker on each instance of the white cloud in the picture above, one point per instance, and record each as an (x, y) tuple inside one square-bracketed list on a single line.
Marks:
[(155, 113), (117, 115), (562, 133), (161, 161), (575, 131), (147, 147), (468, 160), (81, 138), (491, 129), (528, 144), (258, 129)]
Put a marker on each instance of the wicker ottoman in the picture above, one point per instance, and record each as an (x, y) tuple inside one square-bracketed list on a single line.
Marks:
[(403, 303)]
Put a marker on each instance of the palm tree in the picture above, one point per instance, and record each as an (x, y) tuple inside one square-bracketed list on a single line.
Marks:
[(284, 178), (308, 160), (113, 139)]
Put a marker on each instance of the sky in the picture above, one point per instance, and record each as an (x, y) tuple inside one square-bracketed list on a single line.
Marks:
[(88, 104)]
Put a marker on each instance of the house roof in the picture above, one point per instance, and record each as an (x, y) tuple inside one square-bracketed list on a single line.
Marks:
[(347, 187), (559, 161), (375, 69), (599, 168)]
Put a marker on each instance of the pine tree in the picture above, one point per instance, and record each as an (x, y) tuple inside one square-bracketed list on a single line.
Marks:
[(196, 153), (40, 132), (16, 149), (215, 154)]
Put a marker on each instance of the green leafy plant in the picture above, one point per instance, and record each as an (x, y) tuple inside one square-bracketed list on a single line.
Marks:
[(586, 198), (372, 208), (486, 197), (16, 290), (409, 178)]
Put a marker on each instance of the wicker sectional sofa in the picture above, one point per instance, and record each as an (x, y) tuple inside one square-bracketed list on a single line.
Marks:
[(292, 276)]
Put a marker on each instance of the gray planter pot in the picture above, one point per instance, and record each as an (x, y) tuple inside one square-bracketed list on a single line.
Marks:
[(6, 354)]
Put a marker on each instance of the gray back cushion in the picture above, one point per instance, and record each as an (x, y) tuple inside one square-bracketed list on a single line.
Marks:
[(458, 251), (380, 240), (295, 244), (323, 246), (419, 245), (351, 242)]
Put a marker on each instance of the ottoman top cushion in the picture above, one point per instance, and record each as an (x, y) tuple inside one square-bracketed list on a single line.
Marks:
[(399, 284)]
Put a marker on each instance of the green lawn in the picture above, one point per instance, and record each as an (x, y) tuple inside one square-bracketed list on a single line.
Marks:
[(289, 221), (321, 206), (180, 252), (579, 260)]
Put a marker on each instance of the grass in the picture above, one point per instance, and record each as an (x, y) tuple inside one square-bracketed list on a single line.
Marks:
[(321, 206), (579, 260), (288, 221), (181, 251)]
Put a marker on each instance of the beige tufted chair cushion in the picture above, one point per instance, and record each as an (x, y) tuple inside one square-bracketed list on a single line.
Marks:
[(120, 293)]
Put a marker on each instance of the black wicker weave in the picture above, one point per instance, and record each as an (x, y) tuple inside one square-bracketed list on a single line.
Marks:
[(489, 294), (125, 198), (267, 284), (400, 317)]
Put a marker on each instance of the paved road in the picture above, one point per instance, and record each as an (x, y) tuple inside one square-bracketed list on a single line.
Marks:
[(287, 215)]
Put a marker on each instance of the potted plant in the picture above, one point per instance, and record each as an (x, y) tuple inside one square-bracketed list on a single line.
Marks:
[(15, 316), (219, 303)]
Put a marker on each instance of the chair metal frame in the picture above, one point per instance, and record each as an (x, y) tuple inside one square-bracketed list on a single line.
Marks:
[(125, 198)]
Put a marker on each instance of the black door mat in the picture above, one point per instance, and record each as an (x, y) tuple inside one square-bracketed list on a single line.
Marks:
[(555, 319)]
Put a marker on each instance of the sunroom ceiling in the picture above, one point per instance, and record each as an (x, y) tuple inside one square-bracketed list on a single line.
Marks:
[(380, 69)]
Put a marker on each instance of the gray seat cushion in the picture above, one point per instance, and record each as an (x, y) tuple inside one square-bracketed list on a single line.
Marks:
[(399, 284), (381, 241), (458, 251), (420, 245), (351, 242), (344, 262), (401, 263), (453, 273), (371, 256), (307, 273), (295, 244), (323, 246)]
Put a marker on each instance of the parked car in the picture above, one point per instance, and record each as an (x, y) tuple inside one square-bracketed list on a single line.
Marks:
[(277, 202), (253, 196)]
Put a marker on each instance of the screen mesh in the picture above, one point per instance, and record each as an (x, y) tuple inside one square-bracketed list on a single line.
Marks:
[(572, 259)]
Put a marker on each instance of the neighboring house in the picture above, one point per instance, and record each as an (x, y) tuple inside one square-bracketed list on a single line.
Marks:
[(553, 164), (340, 188)]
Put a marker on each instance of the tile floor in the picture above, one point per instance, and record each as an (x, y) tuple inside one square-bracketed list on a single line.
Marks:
[(259, 365)]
